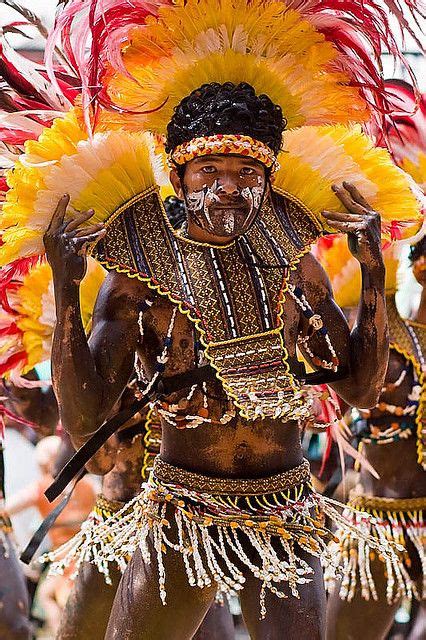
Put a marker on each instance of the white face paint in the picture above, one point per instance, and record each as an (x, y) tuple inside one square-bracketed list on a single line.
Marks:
[(223, 222), (254, 195)]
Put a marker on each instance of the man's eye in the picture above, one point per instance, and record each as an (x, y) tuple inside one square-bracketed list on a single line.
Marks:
[(247, 171), (208, 169)]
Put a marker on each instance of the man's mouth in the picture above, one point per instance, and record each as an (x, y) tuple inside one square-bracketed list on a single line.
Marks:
[(231, 207)]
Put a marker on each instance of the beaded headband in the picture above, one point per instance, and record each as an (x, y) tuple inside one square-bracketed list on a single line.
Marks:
[(224, 144)]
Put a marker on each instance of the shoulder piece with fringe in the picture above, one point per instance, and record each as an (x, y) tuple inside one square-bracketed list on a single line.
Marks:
[(232, 293)]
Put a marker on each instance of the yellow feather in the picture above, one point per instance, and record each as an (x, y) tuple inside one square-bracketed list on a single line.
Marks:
[(263, 43), (417, 169), (36, 306), (344, 270), (316, 157), (101, 173)]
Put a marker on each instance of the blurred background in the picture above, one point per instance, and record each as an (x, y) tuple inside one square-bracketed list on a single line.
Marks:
[(29, 472)]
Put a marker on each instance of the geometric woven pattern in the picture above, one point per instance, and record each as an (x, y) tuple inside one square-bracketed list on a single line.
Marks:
[(233, 293)]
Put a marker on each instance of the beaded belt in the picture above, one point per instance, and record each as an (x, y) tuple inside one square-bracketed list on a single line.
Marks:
[(169, 474), (369, 503)]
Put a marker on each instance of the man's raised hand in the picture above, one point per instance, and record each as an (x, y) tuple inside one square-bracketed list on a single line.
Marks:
[(360, 222), (66, 244)]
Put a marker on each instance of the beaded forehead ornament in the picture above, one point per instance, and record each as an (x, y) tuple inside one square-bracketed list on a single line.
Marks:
[(225, 144)]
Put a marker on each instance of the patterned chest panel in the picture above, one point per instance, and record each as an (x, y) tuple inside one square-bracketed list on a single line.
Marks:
[(411, 343), (233, 293)]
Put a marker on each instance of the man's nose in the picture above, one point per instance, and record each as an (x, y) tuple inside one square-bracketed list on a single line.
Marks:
[(228, 187)]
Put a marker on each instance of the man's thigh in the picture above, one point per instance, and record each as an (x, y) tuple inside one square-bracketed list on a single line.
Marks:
[(291, 618), (360, 619), (14, 601), (88, 607), (138, 612)]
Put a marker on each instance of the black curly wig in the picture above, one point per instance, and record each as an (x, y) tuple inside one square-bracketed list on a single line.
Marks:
[(417, 250), (226, 108)]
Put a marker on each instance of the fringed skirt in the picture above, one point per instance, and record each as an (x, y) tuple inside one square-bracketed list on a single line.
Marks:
[(85, 546), (398, 520), (222, 528)]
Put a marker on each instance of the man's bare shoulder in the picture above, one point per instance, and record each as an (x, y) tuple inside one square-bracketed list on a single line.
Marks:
[(121, 295), (310, 274)]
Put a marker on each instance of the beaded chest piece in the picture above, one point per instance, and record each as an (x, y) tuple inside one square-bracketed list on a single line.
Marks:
[(233, 293), (409, 339)]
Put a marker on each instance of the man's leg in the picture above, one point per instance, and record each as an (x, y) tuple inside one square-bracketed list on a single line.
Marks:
[(217, 625), (361, 619), (290, 618), (418, 630), (88, 607), (138, 613), (14, 601)]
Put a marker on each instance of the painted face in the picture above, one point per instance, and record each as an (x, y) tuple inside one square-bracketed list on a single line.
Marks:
[(223, 194)]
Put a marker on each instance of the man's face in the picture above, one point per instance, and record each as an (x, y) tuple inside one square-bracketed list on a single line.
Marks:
[(419, 269), (223, 194)]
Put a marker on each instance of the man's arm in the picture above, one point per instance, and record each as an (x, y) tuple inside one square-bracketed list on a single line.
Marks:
[(365, 350), (22, 500), (88, 375)]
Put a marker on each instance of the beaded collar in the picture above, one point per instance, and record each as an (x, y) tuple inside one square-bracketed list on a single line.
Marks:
[(409, 339), (233, 293)]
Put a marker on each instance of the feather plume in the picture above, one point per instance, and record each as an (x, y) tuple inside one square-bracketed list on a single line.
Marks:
[(23, 75), (102, 173), (28, 316), (91, 35), (406, 132), (314, 158), (111, 42), (344, 271)]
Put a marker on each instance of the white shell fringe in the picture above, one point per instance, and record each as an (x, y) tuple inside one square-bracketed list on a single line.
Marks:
[(207, 528)]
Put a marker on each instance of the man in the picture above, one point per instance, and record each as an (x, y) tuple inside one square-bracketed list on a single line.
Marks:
[(224, 195), (391, 436), (368, 592)]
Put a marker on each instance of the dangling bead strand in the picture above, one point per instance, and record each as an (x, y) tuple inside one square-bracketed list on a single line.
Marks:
[(316, 325)]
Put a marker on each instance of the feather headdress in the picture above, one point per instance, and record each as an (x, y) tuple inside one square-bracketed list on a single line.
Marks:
[(101, 172), (406, 134), (310, 57), (315, 158), (159, 53)]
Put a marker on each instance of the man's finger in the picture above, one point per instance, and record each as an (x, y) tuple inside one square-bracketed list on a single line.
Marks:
[(59, 214), (76, 222), (343, 217), (86, 231), (346, 199), (345, 227), (88, 238), (356, 196)]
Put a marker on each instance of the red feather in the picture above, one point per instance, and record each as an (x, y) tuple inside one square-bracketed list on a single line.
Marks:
[(91, 35)]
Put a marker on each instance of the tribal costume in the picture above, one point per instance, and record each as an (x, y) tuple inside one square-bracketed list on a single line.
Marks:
[(403, 519), (147, 67), (224, 527), (400, 519)]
